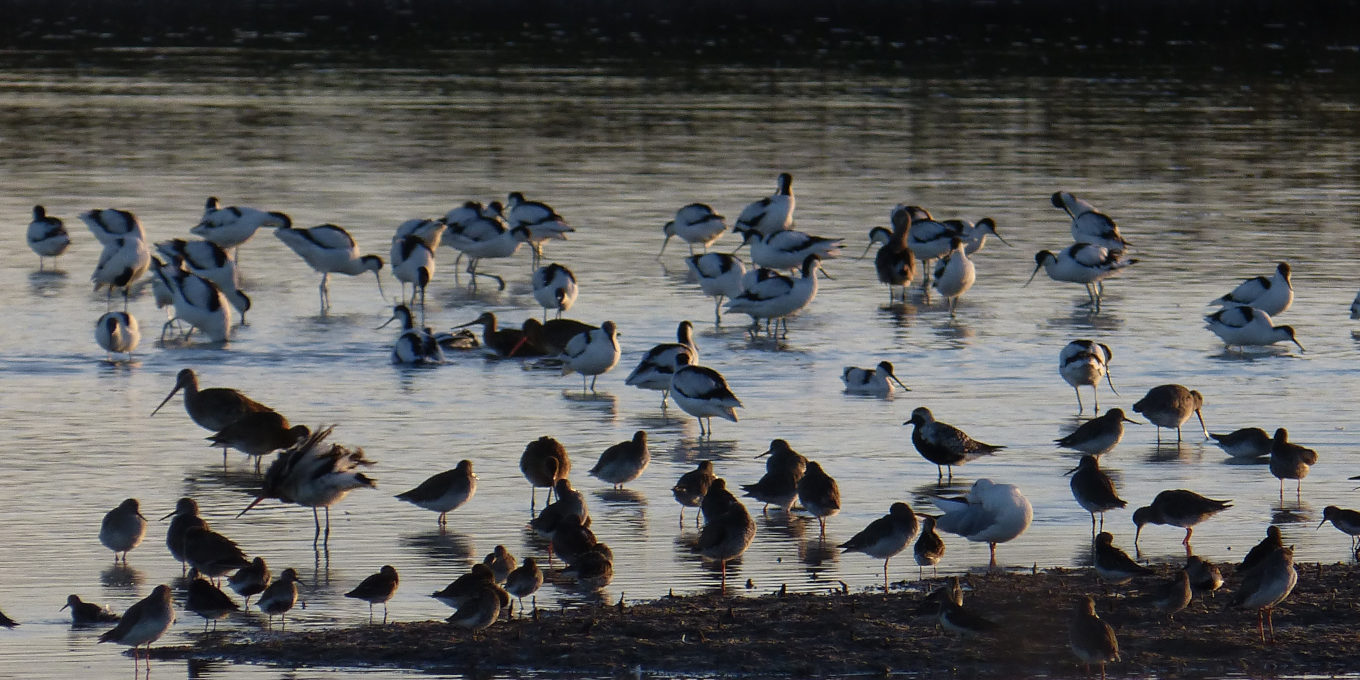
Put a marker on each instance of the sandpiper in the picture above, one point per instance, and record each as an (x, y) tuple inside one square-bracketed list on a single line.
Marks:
[(1272, 542), (464, 587), (1094, 490), (1172, 596), (929, 548), (543, 462), (214, 408), (782, 458), (123, 528), (1092, 639), (502, 563), (524, 581), (315, 475), (259, 434), (727, 536), (885, 536), (1114, 565), (717, 500), (1098, 435), (1248, 442), (819, 494), (1170, 406), (88, 613), (280, 597), (572, 539), (1348, 521), (943, 444), (505, 342), (1179, 508), (1290, 461), (251, 580), (623, 462), (779, 487), (144, 622), (207, 600), (444, 492), (1205, 577), (377, 589), (569, 502), (956, 618), (991, 513), (185, 517), (689, 490), (481, 609), (594, 569), (1267, 586), (211, 553)]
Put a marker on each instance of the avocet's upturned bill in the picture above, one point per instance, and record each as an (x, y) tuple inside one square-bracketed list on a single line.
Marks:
[(1082, 263), (772, 213), (1085, 362), (231, 226), (1088, 224), (329, 249), (877, 382), (1271, 295), (719, 275), (554, 288), (695, 224), (703, 393), (47, 236), (1248, 326), (778, 297), (658, 366)]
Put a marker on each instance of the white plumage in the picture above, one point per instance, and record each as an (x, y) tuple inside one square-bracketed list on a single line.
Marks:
[(990, 513), (483, 233), (787, 249), (117, 333), (1084, 362), (975, 235), (877, 382), (110, 225), (540, 219), (197, 302), (1082, 263), (778, 296), (703, 393), (1271, 295), (657, 367), (412, 260), (1088, 224), (208, 260), (695, 224), (592, 353), (414, 346), (47, 235), (554, 288), (1248, 326), (719, 276), (230, 227), (956, 275), (123, 261), (329, 249), (771, 214)]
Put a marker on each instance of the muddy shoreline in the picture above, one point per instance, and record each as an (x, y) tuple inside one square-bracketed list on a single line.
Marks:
[(815, 635)]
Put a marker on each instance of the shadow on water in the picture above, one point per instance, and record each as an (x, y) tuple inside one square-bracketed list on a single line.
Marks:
[(1253, 354), (238, 477), (441, 545), (596, 402), (47, 284), (958, 487), (122, 577), (957, 333), (1291, 510), (623, 497), (692, 450), (1087, 319)]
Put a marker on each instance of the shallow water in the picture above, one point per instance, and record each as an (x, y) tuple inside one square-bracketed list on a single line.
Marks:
[(1214, 180)]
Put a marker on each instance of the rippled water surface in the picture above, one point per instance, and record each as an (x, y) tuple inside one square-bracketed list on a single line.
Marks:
[(1213, 178)]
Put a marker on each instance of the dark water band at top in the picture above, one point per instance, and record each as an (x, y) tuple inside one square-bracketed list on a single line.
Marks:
[(1040, 37)]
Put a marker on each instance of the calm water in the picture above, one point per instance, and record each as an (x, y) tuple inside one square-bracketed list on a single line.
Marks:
[(1214, 180)]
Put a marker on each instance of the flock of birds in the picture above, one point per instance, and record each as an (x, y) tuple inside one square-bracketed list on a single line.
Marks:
[(199, 280)]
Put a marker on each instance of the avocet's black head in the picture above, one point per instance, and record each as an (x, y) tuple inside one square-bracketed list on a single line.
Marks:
[(515, 198), (494, 207), (1057, 200), (1283, 269), (785, 184), (39, 213), (280, 220), (212, 204)]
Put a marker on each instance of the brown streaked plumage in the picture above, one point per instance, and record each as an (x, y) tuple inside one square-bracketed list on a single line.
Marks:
[(1170, 406), (543, 462), (259, 434), (1092, 639), (464, 587), (444, 492), (1272, 542), (501, 561), (211, 553), (929, 548), (689, 490), (819, 494), (207, 600), (506, 342), (1267, 586), (726, 536), (144, 622)]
